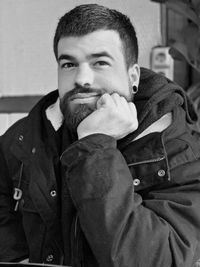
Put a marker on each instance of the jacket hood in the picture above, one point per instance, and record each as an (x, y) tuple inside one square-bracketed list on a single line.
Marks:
[(153, 89), (156, 97)]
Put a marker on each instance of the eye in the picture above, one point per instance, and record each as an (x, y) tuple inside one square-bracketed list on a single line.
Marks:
[(101, 63), (68, 65)]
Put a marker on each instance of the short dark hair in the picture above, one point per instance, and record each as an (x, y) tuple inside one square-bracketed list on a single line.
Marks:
[(88, 18)]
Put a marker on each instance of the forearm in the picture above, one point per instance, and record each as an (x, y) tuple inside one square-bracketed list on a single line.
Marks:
[(118, 227)]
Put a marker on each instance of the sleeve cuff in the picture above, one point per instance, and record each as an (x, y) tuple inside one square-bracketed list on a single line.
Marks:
[(85, 146)]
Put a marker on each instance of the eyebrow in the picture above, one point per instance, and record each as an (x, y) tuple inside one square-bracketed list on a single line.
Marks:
[(93, 55), (66, 57), (101, 54)]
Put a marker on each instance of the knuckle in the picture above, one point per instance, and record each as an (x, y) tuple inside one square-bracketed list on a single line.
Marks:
[(106, 95), (123, 99), (115, 94), (134, 125)]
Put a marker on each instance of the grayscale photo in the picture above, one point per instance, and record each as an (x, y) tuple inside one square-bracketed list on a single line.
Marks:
[(100, 133)]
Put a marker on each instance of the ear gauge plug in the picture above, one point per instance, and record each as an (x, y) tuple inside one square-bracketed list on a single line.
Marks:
[(135, 89)]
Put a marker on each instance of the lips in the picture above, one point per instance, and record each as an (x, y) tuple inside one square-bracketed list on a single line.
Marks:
[(84, 96)]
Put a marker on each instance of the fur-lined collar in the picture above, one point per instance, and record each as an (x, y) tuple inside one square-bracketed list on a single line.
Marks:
[(55, 116)]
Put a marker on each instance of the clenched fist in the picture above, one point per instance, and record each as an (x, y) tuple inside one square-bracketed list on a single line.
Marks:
[(114, 116)]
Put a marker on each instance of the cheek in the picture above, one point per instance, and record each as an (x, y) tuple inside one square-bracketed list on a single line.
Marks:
[(125, 86), (108, 82), (64, 84), (118, 83)]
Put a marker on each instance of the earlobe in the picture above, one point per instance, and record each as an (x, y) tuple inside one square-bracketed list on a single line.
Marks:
[(134, 74), (134, 89)]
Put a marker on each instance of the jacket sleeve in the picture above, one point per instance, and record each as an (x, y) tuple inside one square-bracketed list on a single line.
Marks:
[(121, 227), (12, 239)]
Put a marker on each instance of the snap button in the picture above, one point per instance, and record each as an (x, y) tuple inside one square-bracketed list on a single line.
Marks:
[(136, 182), (53, 193), (33, 150), (161, 173), (21, 138), (49, 258)]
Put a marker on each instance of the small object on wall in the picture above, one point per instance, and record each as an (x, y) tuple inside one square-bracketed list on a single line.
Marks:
[(162, 62)]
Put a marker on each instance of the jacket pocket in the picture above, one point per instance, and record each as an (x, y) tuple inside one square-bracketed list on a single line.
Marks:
[(149, 173)]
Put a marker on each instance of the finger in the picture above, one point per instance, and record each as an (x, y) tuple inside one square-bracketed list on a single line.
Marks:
[(133, 111), (124, 104), (116, 98), (120, 102), (132, 108), (104, 100)]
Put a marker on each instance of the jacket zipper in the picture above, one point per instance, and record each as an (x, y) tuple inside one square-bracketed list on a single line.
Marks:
[(146, 161)]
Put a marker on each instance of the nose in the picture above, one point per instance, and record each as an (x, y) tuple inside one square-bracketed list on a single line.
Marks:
[(85, 75)]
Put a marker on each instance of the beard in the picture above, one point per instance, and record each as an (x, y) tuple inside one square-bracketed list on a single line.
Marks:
[(74, 114)]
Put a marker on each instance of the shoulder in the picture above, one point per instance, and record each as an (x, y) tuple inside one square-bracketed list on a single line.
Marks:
[(14, 130), (31, 123)]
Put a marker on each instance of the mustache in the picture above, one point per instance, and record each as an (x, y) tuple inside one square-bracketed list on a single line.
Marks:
[(82, 89)]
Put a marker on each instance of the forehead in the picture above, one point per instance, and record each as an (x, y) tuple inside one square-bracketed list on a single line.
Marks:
[(95, 42)]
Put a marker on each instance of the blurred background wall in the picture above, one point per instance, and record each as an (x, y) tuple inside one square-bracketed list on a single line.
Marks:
[(27, 63)]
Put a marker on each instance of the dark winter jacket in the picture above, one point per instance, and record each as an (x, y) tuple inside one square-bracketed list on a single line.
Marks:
[(128, 203)]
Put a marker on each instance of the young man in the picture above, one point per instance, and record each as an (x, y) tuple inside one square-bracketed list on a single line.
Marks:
[(104, 171)]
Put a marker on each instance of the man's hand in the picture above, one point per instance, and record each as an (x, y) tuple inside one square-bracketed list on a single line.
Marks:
[(114, 116)]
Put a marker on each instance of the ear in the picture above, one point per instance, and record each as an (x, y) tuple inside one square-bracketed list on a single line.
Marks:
[(134, 74)]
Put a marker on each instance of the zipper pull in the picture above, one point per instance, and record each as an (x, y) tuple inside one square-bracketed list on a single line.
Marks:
[(17, 196)]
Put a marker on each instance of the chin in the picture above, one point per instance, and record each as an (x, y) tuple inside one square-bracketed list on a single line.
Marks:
[(74, 114)]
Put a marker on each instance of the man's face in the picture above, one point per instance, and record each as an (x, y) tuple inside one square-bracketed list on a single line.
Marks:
[(89, 66)]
